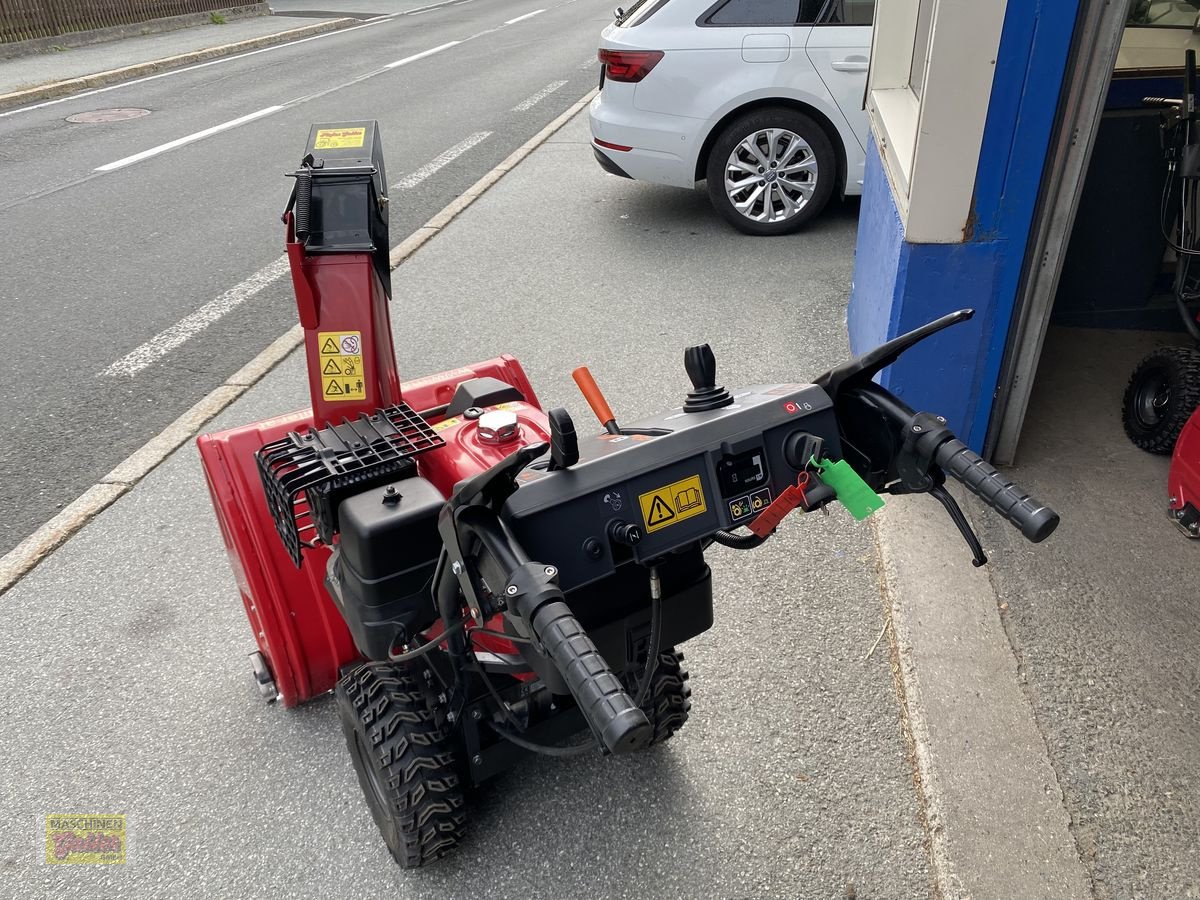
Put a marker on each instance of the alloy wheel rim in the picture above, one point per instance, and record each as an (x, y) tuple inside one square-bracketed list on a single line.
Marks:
[(771, 175)]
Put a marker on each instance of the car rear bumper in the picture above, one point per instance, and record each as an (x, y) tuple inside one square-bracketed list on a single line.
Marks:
[(662, 148), (609, 165)]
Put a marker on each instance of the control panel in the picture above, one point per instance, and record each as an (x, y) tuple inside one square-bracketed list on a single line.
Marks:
[(665, 482)]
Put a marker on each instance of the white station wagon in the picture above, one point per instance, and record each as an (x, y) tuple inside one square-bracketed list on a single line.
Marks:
[(763, 98)]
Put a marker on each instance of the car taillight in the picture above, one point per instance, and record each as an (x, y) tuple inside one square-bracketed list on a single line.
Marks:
[(629, 65)]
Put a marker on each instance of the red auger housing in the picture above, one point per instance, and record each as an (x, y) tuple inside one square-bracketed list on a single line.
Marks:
[(275, 499)]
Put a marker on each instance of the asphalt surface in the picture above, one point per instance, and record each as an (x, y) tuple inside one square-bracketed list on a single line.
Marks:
[(36, 69), (129, 687), (1103, 621), (98, 263)]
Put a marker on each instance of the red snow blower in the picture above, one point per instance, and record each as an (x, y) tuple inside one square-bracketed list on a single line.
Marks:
[(474, 580)]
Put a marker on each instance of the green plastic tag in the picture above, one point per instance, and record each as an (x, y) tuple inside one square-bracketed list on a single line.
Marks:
[(852, 492)]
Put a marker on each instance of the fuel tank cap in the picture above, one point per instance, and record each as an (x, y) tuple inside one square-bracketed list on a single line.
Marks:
[(498, 427)]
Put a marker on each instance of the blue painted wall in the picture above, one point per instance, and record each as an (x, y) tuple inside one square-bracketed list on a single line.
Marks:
[(899, 285)]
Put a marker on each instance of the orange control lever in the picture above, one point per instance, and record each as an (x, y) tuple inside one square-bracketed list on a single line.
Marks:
[(591, 393)]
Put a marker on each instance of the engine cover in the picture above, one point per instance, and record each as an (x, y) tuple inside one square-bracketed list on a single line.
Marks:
[(379, 573)]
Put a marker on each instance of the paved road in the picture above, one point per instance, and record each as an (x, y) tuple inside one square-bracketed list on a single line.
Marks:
[(106, 270)]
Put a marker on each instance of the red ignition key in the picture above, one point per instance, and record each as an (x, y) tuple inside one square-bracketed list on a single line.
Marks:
[(768, 520)]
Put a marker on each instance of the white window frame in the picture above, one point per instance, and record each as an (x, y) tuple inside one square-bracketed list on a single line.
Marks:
[(930, 145)]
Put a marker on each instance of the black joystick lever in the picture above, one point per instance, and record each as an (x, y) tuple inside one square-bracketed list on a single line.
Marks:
[(701, 367)]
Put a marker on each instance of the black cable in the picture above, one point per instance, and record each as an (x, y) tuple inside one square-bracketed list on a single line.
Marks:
[(491, 689), (655, 638), (426, 647), (739, 541), (523, 743), (515, 638), (543, 749)]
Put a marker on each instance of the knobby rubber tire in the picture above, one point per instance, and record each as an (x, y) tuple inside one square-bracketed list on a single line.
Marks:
[(404, 762), (1179, 367), (757, 120), (669, 698)]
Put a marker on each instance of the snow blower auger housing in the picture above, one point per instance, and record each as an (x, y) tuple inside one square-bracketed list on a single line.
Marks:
[(476, 581)]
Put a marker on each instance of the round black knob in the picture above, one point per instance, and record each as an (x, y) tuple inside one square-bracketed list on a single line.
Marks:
[(624, 533)]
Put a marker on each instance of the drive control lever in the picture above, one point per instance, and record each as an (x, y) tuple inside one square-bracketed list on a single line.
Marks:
[(701, 367)]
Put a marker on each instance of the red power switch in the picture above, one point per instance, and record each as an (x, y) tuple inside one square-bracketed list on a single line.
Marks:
[(790, 498)]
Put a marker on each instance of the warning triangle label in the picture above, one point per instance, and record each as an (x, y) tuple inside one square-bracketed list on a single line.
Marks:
[(330, 346), (333, 388), (331, 368), (660, 512)]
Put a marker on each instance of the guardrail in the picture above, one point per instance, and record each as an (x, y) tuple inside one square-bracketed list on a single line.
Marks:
[(23, 20)]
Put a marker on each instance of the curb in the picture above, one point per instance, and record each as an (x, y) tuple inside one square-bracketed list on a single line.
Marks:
[(112, 76), (23, 558), (991, 802)]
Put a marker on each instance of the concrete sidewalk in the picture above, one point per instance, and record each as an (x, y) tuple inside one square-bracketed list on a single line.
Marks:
[(53, 73)]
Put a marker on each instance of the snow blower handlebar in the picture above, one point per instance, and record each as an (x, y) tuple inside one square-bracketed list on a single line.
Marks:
[(645, 492), (481, 551), (922, 447)]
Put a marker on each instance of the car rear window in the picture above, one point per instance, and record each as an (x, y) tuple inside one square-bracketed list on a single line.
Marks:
[(639, 11), (763, 12)]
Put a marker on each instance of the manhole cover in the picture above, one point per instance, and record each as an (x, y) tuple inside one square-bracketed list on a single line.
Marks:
[(107, 115)]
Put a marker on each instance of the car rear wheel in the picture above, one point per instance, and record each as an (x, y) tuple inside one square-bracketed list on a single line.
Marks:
[(771, 171)]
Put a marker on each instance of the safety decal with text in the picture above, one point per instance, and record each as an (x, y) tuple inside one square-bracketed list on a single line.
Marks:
[(339, 138), (673, 503), (341, 365)]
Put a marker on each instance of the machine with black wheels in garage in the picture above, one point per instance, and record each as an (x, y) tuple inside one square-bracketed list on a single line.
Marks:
[(477, 581), (1161, 406)]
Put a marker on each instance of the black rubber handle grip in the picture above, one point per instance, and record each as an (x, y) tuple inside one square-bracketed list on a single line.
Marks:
[(1035, 521), (620, 725)]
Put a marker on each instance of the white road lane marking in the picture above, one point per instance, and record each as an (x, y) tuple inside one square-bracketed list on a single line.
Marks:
[(377, 20), (422, 54), (537, 98), (189, 326), (524, 17), (189, 139), (242, 120), (590, 63), (440, 161)]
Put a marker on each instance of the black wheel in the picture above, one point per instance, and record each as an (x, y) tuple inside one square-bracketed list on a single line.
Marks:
[(1163, 392), (404, 763), (668, 699), (770, 171)]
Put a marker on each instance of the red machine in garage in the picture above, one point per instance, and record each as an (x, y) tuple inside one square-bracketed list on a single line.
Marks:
[(1183, 481), (476, 582)]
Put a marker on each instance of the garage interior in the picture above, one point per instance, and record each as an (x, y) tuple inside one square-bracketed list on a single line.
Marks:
[(1100, 618)]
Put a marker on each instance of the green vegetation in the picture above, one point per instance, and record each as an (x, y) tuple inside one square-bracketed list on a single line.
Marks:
[(216, 18)]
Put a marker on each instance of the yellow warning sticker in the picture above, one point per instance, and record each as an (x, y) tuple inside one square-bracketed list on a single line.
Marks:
[(673, 503), (339, 138), (341, 364)]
